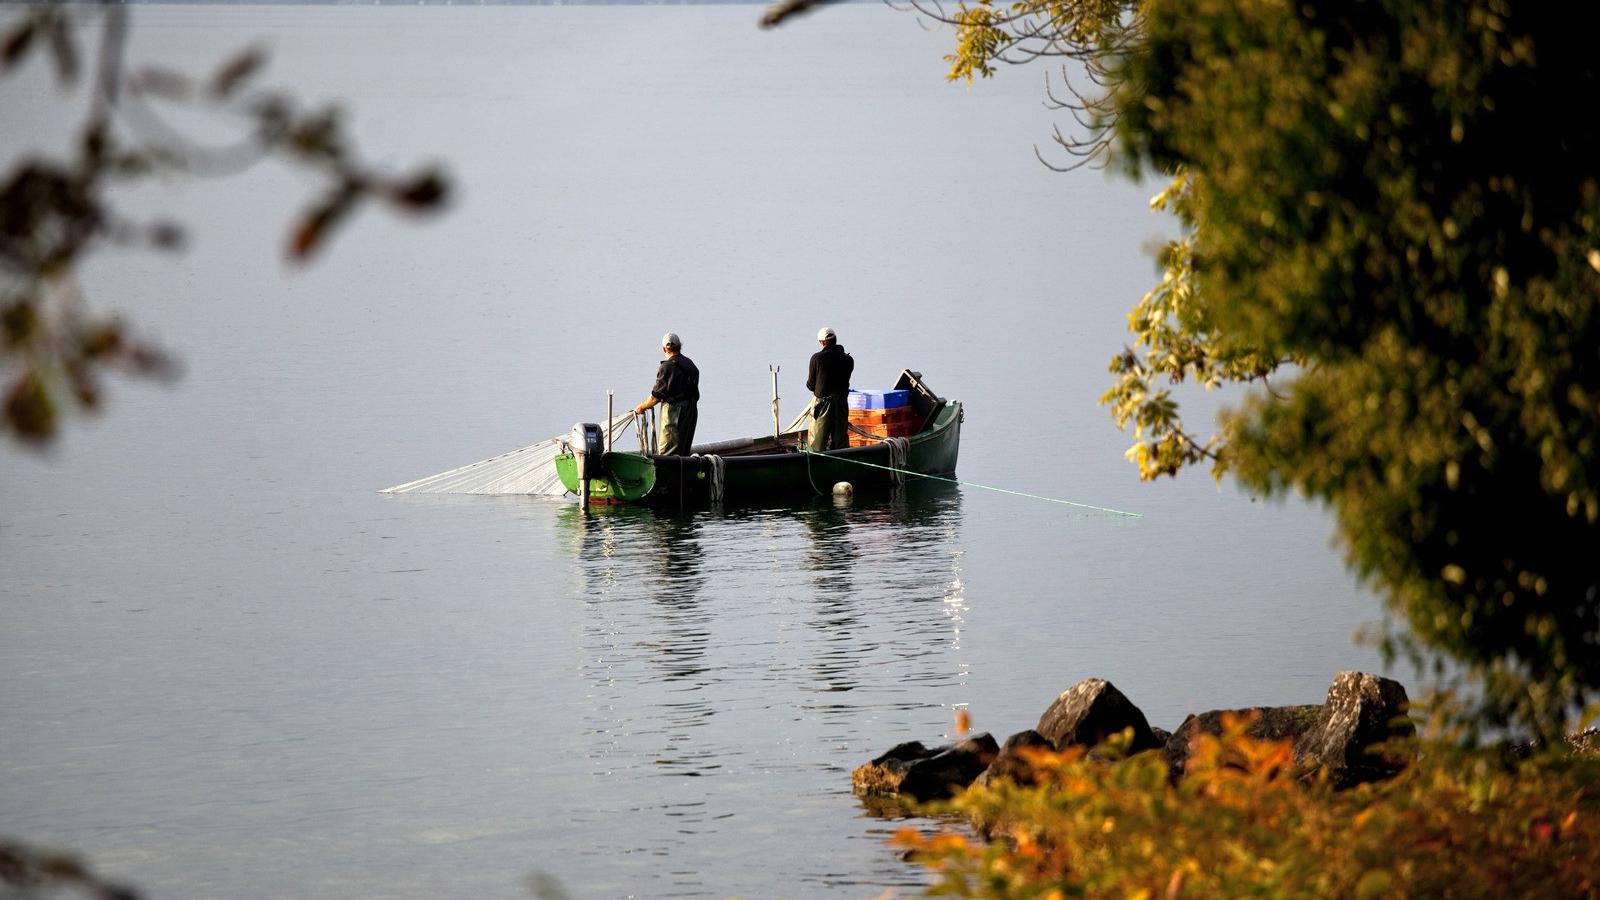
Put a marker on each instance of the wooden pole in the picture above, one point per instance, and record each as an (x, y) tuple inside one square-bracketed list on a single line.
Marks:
[(775, 427)]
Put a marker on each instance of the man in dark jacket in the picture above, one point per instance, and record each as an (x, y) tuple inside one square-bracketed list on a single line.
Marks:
[(677, 389), (829, 383)]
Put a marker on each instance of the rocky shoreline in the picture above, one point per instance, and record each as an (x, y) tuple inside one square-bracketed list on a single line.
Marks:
[(1337, 739)]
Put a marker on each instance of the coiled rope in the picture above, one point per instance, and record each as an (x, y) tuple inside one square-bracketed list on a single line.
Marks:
[(899, 452), (718, 473)]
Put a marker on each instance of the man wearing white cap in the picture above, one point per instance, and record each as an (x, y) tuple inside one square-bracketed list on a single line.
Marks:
[(829, 383), (677, 389)]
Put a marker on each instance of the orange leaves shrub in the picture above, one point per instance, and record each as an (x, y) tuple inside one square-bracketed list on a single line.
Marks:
[(1244, 822)]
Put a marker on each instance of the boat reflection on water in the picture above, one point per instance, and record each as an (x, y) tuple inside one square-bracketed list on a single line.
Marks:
[(831, 609), (729, 657), (879, 570)]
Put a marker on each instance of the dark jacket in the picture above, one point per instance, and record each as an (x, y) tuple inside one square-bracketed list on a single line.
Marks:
[(830, 371), (677, 381)]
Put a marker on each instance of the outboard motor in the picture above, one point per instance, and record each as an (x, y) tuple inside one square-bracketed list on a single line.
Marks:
[(588, 446)]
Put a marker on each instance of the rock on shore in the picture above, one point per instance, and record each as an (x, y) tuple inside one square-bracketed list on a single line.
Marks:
[(1339, 737), (920, 773)]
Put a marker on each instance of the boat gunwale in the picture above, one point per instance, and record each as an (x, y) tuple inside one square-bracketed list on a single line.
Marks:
[(935, 430)]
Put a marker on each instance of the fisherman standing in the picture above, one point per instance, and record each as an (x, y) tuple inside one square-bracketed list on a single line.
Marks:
[(677, 389), (829, 383)]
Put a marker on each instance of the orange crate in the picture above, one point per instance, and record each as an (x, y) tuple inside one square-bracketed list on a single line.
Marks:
[(897, 429), (899, 415)]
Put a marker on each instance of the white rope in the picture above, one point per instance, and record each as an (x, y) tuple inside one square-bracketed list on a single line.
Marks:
[(526, 470)]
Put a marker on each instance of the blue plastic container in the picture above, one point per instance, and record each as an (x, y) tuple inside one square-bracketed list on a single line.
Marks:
[(879, 399)]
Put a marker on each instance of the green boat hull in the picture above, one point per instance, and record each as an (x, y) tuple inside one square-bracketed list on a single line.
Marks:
[(775, 472), (625, 478)]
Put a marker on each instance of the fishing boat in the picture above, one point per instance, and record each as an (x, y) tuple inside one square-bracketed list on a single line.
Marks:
[(767, 468)]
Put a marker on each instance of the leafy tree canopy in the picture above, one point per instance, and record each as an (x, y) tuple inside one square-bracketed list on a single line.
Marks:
[(1402, 196), (1397, 200)]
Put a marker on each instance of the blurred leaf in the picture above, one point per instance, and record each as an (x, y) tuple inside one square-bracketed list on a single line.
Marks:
[(64, 49), (236, 71), (317, 224), (424, 192), (167, 236), (778, 13), (84, 388), (95, 143), (132, 165), (41, 873), (29, 411), (272, 114), (151, 361), (16, 44), (102, 340), (317, 135), (157, 81), (19, 322)]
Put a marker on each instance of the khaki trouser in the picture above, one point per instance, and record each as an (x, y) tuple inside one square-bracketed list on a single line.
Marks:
[(830, 421), (675, 429)]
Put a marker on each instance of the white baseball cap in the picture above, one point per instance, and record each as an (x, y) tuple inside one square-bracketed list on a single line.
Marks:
[(671, 340), (825, 333)]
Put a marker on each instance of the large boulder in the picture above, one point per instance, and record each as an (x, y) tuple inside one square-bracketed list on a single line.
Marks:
[(1271, 723), (1012, 763), (884, 774), (1091, 711), (1361, 712), (915, 771)]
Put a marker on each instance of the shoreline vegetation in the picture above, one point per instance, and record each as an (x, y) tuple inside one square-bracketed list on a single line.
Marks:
[(1350, 798), (1343, 740)]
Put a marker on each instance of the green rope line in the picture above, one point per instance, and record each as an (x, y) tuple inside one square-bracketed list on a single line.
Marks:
[(972, 484), (813, 481)]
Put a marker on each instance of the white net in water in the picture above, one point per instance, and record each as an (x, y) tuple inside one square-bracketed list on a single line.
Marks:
[(527, 470)]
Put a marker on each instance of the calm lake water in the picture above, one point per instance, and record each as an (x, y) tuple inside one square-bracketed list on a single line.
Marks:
[(230, 668)]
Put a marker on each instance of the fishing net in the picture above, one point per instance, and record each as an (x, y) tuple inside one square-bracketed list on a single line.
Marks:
[(526, 470)]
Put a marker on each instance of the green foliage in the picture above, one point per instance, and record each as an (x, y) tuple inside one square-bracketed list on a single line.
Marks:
[(1456, 823), (1081, 36), (1399, 196), (979, 41), (988, 32), (1175, 341)]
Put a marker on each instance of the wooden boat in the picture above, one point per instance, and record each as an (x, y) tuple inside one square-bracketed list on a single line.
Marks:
[(767, 468)]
